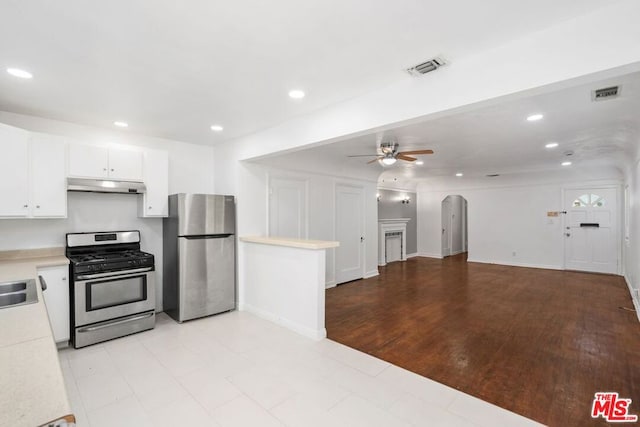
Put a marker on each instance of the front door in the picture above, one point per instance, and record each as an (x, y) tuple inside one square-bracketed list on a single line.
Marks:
[(350, 233), (591, 230)]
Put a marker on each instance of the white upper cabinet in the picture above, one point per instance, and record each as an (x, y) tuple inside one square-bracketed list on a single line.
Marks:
[(48, 180), (125, 165), (88, 161), (14, 172), (155, 202), (32, 174)]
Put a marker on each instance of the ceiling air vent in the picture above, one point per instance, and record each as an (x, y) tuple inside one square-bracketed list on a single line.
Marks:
[(426, 67), (605, 93), (493, 175)]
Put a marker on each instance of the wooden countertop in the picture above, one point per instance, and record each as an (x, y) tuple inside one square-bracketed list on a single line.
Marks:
[(291, 243), (32, 389)]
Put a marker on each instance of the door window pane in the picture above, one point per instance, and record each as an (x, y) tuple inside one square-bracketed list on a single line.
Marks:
[(591, 200)]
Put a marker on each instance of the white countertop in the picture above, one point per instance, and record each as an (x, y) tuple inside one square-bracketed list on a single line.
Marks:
[(291, 243), (32, 389)]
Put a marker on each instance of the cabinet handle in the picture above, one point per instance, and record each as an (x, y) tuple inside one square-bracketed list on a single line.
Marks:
[(111, 170), (104, 169), (64, 279), (43, 284), (150, 207), (25, 206), (37, 206)]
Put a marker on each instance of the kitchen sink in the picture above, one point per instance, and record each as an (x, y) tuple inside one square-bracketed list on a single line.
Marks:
[(18, 292)]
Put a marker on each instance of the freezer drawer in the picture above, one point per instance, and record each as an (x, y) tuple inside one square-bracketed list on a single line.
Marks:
[(203, 214), (206, 276)]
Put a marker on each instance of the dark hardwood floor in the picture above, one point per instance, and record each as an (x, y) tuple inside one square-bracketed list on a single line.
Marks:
[(537, 342)]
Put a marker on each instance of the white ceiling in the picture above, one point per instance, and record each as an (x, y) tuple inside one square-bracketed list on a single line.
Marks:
[(498, 139), (171, 69)]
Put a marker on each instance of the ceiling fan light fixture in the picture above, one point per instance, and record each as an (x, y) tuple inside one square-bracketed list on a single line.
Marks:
[(388, 161)]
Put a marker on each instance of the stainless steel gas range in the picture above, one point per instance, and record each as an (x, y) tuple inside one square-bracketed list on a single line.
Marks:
[(112, 289)]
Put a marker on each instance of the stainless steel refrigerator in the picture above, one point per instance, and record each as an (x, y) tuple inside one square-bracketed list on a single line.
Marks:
[(199, 256)]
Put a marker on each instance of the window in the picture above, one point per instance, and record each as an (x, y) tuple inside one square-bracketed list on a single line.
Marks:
[(589, 200)]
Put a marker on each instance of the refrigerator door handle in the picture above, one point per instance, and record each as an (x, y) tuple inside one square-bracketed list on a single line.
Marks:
[(208, 236)]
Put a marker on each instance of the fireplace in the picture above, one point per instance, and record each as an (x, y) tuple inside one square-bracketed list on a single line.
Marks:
[(392, 240)]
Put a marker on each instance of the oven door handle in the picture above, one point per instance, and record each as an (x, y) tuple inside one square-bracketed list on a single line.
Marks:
[(119, 274), (117, 322)]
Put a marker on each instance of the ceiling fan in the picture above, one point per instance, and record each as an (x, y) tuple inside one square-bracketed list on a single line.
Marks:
[(389, 154)]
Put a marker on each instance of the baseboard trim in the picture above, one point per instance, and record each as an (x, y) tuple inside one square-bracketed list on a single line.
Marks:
[(429, 255), (634, 297), (412, 255), (295, 327), (371, 273), (330, 284), (456, 253), (517, 264)]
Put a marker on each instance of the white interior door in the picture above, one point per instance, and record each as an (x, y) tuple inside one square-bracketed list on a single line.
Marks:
[(446, 227), (288, 208), (591, 230), (350, 233)]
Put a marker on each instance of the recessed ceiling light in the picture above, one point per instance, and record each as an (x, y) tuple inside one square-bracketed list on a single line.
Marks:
[(566, 163), (121, 124), (535, 117), (419, 163), (459, 174), (17, 72), (296, 94), (217, 128), (551, 145)]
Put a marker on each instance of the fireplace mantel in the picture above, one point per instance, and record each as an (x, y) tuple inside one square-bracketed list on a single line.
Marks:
[(391, 225)]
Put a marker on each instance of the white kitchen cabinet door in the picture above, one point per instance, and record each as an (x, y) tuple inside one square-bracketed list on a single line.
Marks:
[(56, 298), (48, 180), (155, 202), (14, 172), (125, 165), (88, 161)]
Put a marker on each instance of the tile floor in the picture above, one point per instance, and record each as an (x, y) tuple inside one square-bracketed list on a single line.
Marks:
[(236, 369)]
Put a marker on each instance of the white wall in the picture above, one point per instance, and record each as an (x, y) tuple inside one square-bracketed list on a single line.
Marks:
[(190, 170), (506, 216)]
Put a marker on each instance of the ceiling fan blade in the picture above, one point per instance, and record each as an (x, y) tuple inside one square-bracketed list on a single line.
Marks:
[(374, 160), (363, 155), (401, 156), (414, 152)]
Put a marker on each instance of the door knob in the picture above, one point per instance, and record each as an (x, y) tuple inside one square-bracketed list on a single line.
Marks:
[(361, 239), (567, 234)]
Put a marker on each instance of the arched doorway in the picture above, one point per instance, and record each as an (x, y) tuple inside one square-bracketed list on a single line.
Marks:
[(454, 225)]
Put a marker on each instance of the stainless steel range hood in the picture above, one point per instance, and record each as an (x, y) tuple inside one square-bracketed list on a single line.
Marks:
[(105, 186)]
